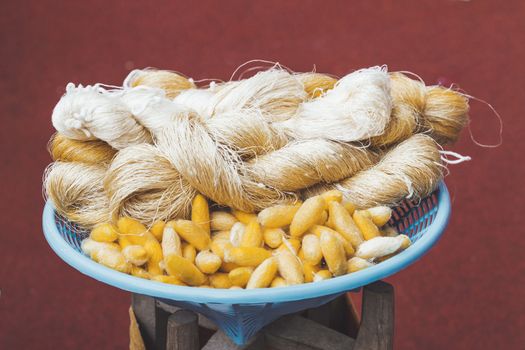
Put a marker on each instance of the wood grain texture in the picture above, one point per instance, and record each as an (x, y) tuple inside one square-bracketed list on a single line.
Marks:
[(183, 331), (294, 332), (144, 309), (376, 331)]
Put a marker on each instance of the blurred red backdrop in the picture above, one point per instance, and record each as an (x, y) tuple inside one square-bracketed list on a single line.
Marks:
[(467, 293)]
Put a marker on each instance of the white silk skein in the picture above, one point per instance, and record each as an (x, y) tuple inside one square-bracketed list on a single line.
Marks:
[(357, 108), (91, 112)]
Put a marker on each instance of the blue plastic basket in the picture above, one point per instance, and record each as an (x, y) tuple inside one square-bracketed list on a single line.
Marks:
[(241, 313)]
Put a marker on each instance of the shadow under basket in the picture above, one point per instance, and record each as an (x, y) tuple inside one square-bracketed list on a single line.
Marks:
[(242, 313)]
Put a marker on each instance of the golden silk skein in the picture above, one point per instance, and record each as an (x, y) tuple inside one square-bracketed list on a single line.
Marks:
[(77, 193), (304, 163), (411, 169), (172, 83), (446, 113), (246, 132), (65, 149), (213, 170), (416, 108), (143, 184)]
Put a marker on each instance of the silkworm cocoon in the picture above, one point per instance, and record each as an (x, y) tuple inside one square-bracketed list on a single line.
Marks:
[(192, 233), (189, 252), (311, 249), (132, 228), (220, 280), (380, 215), (253, 236), (333, 253), (277, 216), (137, 233), (247, 256), (389, 231), (219, 247), (308, 214), (135, 254), (222, 221), (291, 245), (152, 246), (289, 267), (349, 206), (236, 233), (356, 264), (168, 279), (244, 217), (157, 229), (264, 274), (365, 224), (381, 246), (278, 282), (200, 212), (273, 237), (322, 275), (89, 246), (332, 195), (104, 233), (318, 229), (208, 262), (343, 223), (240, 276), (219, 235), (228, 267), (309, 271), (323, 218), (139, 272), (111, 258), (184, 270), (171, 243)]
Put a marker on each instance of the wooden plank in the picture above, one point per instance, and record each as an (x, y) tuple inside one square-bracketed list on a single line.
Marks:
[(183, 331), (161, 327), (220, 341), (144, 310), (352, 321), (333, 315), (376, 331), (294, 332), (204, 322)]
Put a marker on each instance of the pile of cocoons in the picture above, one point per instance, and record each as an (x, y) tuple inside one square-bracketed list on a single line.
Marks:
[(320, 238)]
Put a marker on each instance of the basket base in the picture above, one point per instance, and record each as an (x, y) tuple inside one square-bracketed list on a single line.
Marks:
[(242, 321)]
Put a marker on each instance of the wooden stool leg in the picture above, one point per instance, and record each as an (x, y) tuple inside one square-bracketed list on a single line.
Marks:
[(161, 327), (377, 318), (183, 331), (144, 309)]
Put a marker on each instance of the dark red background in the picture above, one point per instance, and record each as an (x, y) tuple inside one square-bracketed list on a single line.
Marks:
[(467, 293)]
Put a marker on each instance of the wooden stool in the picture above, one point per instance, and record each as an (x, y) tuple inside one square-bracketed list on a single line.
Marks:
[(333, 326)]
